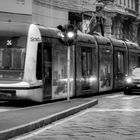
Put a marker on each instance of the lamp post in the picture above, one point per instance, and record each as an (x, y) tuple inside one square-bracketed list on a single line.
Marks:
[(68, 73), (71, 37)]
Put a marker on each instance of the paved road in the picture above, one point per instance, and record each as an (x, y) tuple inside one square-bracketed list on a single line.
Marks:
[(116, 117)]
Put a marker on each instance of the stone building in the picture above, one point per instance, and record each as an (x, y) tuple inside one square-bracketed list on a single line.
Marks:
[(120, 17)]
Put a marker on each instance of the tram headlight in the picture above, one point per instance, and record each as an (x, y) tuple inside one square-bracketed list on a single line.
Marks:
[(128, 80)]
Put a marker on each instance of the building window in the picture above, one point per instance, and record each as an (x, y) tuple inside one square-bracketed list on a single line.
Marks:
[(134, 5), (132, 1), (128, 3), (125, 2)]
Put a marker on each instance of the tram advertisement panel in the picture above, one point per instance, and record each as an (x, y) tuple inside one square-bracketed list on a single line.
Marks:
[(60, 72), (105, 69)]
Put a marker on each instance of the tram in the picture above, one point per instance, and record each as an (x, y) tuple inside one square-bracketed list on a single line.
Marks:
[(33, 63)]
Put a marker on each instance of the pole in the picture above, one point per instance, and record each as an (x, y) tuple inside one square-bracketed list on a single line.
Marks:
[(68, 73)]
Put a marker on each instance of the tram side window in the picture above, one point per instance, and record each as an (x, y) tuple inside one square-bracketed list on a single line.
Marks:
[(120, 56), (86, 61), (39, 63)]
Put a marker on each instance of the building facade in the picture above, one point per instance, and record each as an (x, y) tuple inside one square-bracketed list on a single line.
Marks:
[(120, 17)]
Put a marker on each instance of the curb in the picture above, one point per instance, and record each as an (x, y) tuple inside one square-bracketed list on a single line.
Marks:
[(22, 129)]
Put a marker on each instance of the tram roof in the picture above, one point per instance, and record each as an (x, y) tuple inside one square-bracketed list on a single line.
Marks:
[(49, 32), (87, 38), (101, 40), (117, 42), (132, 45)]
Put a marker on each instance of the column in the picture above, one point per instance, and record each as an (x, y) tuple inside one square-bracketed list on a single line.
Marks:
[(117, 27), (135, 31), (107, 26)]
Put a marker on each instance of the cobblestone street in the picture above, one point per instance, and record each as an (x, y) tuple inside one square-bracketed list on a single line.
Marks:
[(115, 117)]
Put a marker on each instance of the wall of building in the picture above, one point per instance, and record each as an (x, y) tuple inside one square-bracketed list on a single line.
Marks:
[(123, 16), (16, 6), (16, 10), (50, 16), (56, 12), (45, 12)]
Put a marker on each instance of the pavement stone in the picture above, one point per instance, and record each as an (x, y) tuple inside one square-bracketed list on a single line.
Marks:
[(18, 122), (111, 119)]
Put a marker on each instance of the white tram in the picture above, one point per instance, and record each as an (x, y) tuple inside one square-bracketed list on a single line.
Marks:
[(30, 56), (33, 63)]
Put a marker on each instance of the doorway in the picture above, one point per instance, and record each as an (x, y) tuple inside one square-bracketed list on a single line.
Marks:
[(47, 70)]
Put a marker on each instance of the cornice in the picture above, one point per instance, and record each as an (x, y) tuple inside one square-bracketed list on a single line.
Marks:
[(72, 5), (114, 8)]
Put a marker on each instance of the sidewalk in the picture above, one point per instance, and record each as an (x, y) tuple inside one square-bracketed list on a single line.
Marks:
[(17, 122)]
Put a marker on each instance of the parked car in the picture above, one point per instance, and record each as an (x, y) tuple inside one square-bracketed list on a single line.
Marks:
[(133, 82)]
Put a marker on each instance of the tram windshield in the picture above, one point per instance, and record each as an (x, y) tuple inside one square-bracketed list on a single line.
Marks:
[(12, 56), (12, 51)]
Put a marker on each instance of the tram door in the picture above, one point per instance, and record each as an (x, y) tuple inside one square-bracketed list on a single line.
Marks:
[(47, 70)]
